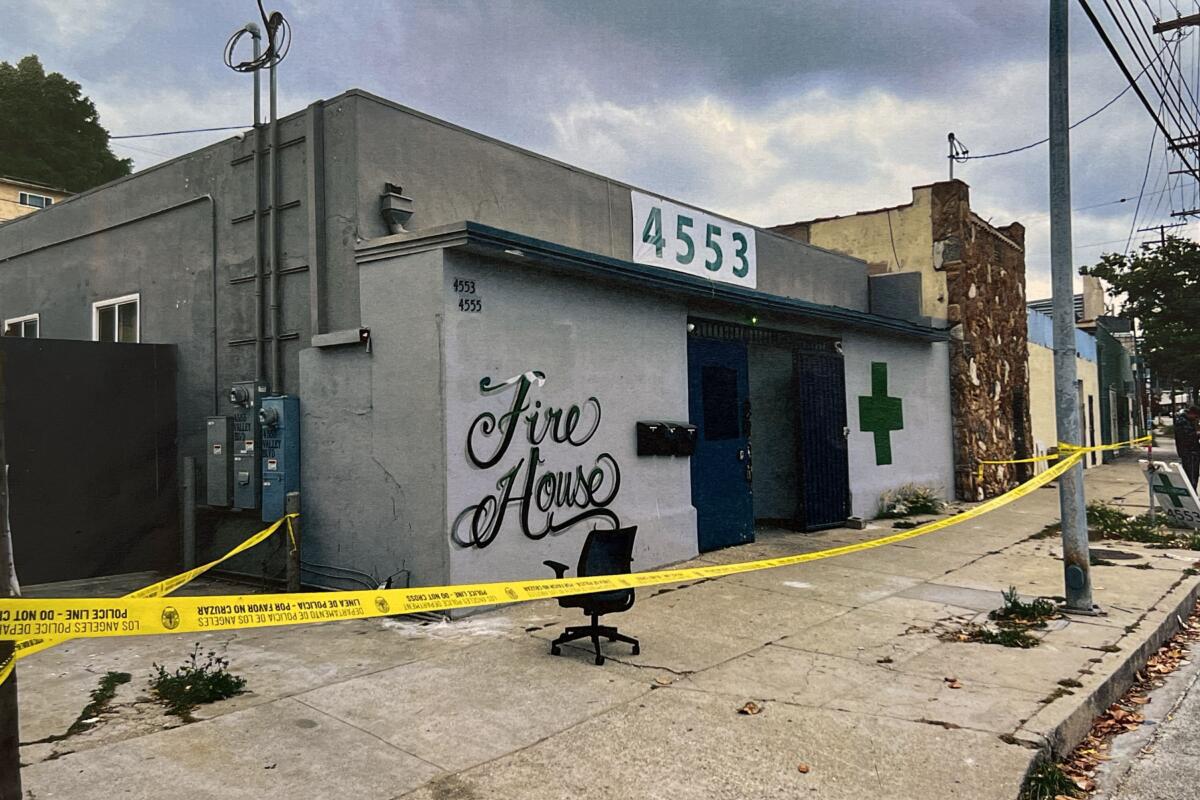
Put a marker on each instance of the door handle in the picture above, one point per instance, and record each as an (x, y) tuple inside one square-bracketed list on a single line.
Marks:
[(741, 454)]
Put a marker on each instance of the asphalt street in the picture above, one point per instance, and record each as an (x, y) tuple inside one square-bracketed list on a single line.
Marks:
[(1168, 766)]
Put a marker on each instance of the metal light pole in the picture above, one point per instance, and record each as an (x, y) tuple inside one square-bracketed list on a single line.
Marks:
[(1076, 563)]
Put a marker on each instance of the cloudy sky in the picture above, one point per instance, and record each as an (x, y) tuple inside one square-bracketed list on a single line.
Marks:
[(766, 111)]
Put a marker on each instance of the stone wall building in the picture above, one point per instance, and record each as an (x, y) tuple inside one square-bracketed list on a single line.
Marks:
[(972, 279)]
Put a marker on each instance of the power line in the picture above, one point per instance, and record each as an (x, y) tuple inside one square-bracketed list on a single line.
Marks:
[(1142, 191), (175, 133), (1091, 15), (1174, 109), (964, 157)]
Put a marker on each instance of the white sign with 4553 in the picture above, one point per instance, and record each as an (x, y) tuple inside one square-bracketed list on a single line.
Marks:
[(1172, 492), (684, 239)]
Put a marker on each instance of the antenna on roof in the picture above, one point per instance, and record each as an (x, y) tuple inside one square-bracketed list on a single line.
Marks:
[(957, 152)]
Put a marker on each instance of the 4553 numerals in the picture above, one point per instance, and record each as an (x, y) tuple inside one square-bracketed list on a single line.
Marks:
[(686, 234), (468, 300)]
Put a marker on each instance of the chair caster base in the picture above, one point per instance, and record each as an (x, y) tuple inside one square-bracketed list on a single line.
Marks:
[(599, 660), (555, 650), (636, 650)]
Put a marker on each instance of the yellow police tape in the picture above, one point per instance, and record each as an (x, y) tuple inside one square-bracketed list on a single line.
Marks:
[(1064, 448), (145, 615), (1072, 448), (27, 647)]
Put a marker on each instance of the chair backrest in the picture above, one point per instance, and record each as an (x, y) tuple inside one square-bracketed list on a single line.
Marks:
[(607, 551)]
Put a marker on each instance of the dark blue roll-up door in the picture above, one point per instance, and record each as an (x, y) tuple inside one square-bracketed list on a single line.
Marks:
[(821, 439)]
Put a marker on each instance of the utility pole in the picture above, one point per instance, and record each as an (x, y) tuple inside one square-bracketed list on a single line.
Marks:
[(1180, 22), (10, 729), (1162, 231), (1076, 559)]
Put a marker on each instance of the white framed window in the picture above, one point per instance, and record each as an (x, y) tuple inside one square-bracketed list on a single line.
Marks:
[(35, 200), (117, 319), (26, 327)]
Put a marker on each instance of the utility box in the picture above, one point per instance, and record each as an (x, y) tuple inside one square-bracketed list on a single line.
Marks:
[(218, 453), (280, 425), (246, 399)]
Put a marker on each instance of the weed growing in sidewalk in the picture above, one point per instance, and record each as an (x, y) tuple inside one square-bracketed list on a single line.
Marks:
[(1048, 781), (1012, 623), (909, 500), (1005, 637), (1017, 611), (195, 682), (1109, 522), (102, 695)]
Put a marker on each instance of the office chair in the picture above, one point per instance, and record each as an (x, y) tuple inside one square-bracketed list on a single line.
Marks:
[(605, 552)]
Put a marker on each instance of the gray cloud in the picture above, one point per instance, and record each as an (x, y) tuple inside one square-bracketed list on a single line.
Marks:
[(770, 111)]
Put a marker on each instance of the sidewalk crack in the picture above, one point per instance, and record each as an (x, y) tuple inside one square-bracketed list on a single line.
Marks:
[(373, 735)]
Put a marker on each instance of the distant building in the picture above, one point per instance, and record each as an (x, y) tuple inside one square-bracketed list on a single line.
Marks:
[(1120, 413), (19, 197), (970, 276), (1042, 413)]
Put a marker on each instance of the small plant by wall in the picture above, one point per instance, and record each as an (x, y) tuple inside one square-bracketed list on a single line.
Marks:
[(908, 500)]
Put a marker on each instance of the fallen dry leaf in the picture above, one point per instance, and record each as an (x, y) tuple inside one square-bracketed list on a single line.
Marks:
[(802, 769), (1141, 701), (750, 708), (1086, 784), (662, 680), (954, 685)]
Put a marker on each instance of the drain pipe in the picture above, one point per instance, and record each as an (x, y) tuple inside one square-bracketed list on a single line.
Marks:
[(276, 380)]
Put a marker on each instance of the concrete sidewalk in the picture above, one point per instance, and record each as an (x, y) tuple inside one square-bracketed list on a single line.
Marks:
[(843, 656)]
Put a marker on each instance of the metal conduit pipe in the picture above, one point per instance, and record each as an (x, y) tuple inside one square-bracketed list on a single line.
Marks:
[(259, 333), (276, 376)]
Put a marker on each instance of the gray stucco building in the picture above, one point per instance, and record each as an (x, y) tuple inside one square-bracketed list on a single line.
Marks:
[(475, 333)]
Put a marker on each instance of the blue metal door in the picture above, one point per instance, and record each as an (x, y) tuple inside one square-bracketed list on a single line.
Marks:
[(719, 407), (821, 439)]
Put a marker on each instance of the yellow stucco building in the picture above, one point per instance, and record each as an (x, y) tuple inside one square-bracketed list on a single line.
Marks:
[(1041, 387), (19, 197)]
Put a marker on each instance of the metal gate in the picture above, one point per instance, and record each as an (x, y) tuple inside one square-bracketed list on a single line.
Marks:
[(821, 439), (819, 381)]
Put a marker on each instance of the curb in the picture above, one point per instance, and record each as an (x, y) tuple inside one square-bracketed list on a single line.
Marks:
[(1072, 729)]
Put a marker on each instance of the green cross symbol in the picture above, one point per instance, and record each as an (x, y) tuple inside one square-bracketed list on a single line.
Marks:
[(1171, 490), (880, 414)]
